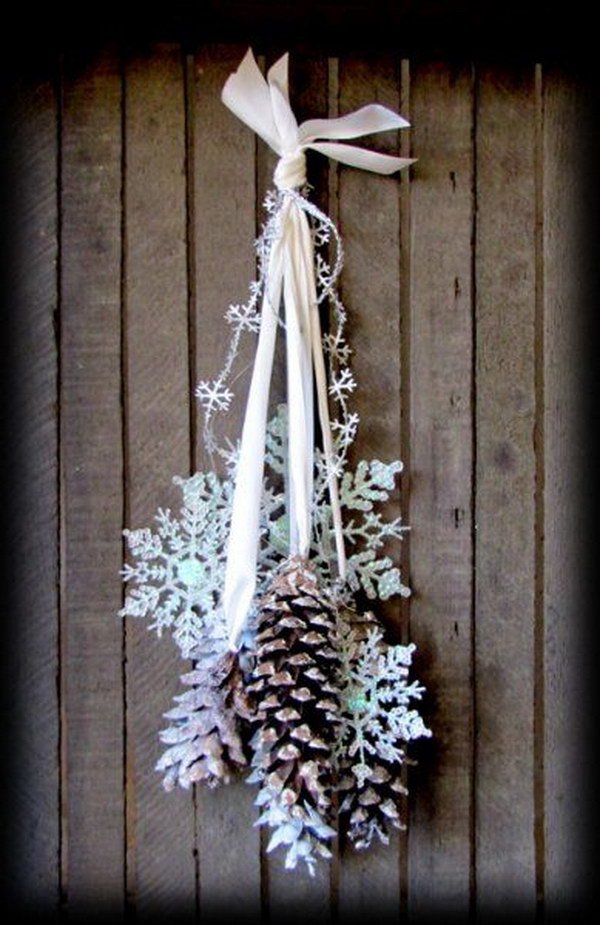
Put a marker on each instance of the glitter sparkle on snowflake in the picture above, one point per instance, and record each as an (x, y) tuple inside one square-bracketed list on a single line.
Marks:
[(377, 718)]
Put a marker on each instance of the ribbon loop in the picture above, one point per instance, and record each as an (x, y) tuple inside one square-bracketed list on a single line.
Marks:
[(365, 121)]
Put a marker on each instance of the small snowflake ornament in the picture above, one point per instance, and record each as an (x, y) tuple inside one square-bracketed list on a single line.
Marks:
[(342, 384), (376, 718), (214, 396), (243, 317)]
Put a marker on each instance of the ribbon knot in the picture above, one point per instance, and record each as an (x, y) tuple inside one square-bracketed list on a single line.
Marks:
[(290, 277), (290, 172), (264, 106)]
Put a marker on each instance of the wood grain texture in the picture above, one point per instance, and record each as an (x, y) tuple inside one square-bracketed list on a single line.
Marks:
[(505, 490), (31, 872), (91, 470), (222, 168), (369, 221), (567, 141), (441, 546), (161, 862)]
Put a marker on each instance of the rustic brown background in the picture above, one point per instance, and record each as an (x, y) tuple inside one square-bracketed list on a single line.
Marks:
[(140, 196)]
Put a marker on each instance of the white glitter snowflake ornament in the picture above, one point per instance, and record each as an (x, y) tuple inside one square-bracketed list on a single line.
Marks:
[(377, 722), (214, 396), (177, 576), (376, 719)]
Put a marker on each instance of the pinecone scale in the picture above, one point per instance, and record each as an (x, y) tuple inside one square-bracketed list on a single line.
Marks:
[(371, 804)]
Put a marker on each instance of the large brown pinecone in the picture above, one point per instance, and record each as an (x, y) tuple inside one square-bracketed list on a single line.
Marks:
[(372, 796), (204, 738), (297, 713)]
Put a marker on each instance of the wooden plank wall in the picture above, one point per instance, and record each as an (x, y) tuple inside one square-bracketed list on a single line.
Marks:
[(141, 197)]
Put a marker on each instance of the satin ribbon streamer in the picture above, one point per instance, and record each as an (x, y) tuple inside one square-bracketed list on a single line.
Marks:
[(264, 106)]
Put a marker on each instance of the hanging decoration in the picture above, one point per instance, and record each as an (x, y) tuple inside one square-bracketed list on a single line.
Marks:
[(257, 578)]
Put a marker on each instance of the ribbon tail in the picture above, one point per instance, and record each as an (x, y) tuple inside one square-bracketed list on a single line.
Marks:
[(242, 549), (364, 121), (307, 254), (299, 385), (361, 157)]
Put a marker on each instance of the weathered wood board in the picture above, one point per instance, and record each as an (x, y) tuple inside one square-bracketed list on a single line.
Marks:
[(91, 454), (505, 490), (32, 872), (441, 497), (564, 339), (161, 864)]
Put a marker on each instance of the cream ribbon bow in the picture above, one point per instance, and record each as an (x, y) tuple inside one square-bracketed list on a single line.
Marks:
[(264, 106)]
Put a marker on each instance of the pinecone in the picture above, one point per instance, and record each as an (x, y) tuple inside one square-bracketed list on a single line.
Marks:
[(373, 792), (204, 737), (294, 683)]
